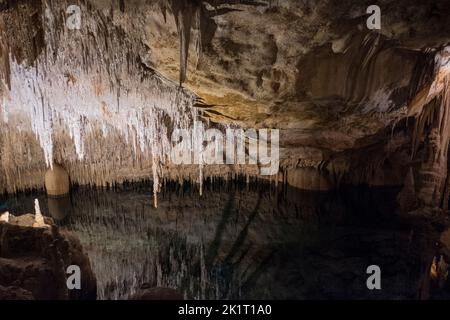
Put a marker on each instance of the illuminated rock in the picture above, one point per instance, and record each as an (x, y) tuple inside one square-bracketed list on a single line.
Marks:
[(57, 181), (439, 272), (4, 217), (38, 218)]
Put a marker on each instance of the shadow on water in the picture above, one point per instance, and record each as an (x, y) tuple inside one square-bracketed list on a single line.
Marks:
[(224, 270), (239, 241), (215, 244)]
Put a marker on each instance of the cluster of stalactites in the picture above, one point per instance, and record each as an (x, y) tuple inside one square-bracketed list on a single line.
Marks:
[(94, 76), (431, 107), (432, 104)]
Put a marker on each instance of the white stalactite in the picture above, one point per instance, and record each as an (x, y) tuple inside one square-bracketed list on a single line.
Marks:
[(90, 79)]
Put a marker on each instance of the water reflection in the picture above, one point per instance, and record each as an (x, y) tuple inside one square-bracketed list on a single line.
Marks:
[(239, 242), (59, 208)]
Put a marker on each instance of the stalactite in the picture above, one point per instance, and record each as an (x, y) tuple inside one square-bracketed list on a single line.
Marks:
[(187, 14), (72, 88), (200, 179)]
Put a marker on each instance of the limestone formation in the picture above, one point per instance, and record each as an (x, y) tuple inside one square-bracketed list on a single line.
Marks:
[(439, 272), (96, 106), (33, 262), (354, 106), (4, 217), (57, 181), (38, 218)]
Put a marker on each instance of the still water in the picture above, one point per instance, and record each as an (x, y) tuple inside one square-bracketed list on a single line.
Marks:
[(241, 241)]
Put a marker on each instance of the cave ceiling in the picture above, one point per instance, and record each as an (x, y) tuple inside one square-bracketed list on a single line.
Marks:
[(340, 94)]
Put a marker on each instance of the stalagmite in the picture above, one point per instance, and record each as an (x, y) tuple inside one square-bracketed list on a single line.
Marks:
[(38, 218), (4, 217)]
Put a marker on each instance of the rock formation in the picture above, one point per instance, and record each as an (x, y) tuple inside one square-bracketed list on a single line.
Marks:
[(57, 183), (4, 217), (38, 217), (354, 106), (33, 262), (439, 272)]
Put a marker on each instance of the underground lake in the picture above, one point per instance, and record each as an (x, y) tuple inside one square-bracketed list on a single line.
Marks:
[(243, 241)]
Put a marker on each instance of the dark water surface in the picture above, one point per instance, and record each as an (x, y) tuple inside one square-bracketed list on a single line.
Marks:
[(240, 242)]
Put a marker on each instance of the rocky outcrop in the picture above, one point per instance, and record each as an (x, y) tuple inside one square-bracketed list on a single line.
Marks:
[(34, 260)]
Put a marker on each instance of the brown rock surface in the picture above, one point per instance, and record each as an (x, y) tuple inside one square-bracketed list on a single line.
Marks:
[(33, 262)]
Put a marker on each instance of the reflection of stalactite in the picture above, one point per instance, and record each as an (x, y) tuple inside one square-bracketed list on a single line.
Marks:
[(138, 244)]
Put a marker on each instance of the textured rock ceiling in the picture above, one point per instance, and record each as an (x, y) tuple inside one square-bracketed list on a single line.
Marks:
[(345, 98)]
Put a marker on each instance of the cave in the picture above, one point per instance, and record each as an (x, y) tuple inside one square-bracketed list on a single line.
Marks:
[(224, 150)]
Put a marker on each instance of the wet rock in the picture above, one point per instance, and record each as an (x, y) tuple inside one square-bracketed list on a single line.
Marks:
[(33, 261)]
